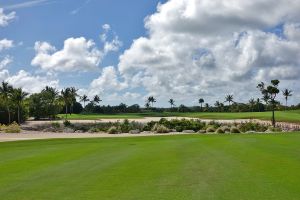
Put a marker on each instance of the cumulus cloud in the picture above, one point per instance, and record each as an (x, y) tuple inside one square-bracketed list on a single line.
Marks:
[(30, 83), (107, 82), (5, 61), (5, 19), (203, 48), (6, 44), (76, 54)]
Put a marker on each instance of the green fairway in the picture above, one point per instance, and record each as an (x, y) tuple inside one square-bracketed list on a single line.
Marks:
[(288, 116), (161, 167)]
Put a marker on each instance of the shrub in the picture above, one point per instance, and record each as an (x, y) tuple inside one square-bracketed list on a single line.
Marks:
[(149, 126), (214, 124), (125, 126), (67, 123), (220, 131), (225, 128), (178, 129), (2, 127), (210, 130), (234, 130), (274, 129), (250, 126), (158, 128), (12, 128), (93, 130), (113, 130), (55, 125)]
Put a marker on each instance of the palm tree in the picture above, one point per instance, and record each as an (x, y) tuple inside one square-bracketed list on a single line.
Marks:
[(18, 97), (286, 93), (52, 97), (84, 99), (206, 106), (172, 102), (96, 99), (201, 101), (269, 95), (147, 105), (66, 95), (229, 99), (151, 100), (5, 92), (218, 105), (258, 104), (73, 95), (252, 103)]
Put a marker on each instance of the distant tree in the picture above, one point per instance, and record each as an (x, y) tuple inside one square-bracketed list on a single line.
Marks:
[(84, 99), (252, 103), (269, 95), (5, 92), (66, 98), (50, 101), (229, 99), (73, 95), (18, 96), (206, 107), (172, 102), (151, 100), (147, 105), (201, 101), (182, 108), (218, 105), (96, 99), (287, 93), (258, 104)]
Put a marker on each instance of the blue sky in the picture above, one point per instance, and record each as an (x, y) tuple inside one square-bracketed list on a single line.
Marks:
[(125, 51), (55, 20)]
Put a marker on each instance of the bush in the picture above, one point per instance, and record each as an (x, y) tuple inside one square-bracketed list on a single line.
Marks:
[(210, 130), (113, 130), (12, 128), (125, 126), (214, 124), (274, 129), (250, 126), (67, 123), (225, 128), (55, 125), (93, 130), (234, 130), (158, 128), (220, 131)]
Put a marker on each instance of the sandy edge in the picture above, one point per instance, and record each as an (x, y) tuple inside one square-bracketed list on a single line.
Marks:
[(25, 135)]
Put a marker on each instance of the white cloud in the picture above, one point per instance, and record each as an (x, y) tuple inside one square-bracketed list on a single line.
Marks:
[(107, 82), (5, 61), (28, 4), (112, 46), (204, 48), (30, 83), (5, 19), (4, 74), (106, 27), (6, 44), (77, 54)]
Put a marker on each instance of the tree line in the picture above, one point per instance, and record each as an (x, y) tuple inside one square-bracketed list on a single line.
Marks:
[(17, 105)]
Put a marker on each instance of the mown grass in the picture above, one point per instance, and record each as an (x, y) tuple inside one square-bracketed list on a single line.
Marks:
[(283, 116), (189, 167)]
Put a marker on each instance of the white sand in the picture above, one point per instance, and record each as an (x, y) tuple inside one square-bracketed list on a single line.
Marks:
[(35, 135)]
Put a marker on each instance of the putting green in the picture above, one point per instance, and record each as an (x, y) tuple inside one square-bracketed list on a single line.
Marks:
[(160, 167)]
